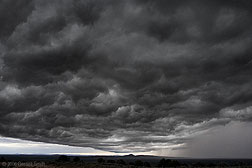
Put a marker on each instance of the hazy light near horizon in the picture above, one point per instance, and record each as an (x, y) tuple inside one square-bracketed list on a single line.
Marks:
[(18, 146)]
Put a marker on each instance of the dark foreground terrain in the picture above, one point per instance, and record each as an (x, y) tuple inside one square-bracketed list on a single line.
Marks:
[(131, 161)]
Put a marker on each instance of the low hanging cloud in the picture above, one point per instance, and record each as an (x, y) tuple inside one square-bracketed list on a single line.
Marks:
[(123, 76)]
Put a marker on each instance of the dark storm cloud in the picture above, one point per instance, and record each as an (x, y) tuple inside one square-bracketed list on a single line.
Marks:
[(123, 75), (10, 18)]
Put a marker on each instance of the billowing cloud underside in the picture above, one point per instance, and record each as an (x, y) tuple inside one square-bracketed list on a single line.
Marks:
[(123, 76)]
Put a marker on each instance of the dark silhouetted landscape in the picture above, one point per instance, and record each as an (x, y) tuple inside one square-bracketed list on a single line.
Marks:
[(132, 161)]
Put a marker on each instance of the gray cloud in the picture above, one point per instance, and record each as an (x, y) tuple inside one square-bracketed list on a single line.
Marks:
[(219, 142), (223, 142), (123, 76)]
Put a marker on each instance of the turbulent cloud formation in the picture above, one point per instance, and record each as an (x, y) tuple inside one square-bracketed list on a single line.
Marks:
[(123, 76)]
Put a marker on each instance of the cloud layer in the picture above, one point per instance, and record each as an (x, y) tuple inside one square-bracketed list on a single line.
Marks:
[(123, 76)]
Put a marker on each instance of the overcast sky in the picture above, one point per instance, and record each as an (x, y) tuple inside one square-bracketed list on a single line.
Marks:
[(161, 77)]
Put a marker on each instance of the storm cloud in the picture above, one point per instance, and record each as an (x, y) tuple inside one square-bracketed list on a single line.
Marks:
[(123, 76)]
